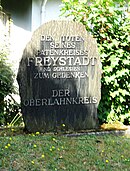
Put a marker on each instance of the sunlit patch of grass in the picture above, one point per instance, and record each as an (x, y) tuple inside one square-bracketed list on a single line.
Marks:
[(116, 125)]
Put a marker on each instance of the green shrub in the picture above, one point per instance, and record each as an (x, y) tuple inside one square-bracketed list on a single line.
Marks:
[(8, 106), (6, 83), (109, 22)]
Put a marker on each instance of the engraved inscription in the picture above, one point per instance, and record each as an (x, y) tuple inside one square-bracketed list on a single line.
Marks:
[(64, 59), (60, 97)]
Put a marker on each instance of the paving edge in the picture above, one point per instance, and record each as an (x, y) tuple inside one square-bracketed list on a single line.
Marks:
[(115, 132)]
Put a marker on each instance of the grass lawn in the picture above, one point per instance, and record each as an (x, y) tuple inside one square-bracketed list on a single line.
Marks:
[(48, 152)]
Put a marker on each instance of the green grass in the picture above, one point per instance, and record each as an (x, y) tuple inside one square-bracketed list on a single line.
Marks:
[(48, 152)]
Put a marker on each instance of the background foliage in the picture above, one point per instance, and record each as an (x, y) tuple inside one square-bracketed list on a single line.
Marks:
[(109, 22)]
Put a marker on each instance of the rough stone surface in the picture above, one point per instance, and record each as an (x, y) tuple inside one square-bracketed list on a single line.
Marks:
[(59, 78)]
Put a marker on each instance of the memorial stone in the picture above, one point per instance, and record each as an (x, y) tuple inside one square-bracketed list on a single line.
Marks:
[(59, 78)]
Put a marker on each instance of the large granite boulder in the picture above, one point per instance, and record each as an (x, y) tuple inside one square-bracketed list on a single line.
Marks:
[(59, 78)]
